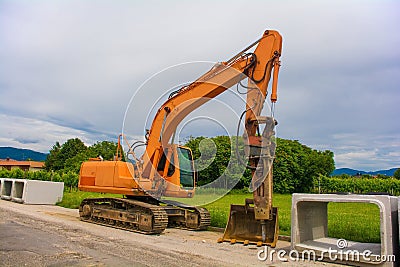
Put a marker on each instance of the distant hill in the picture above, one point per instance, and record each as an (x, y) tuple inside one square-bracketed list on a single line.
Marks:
[(21, 154), (349, 171)]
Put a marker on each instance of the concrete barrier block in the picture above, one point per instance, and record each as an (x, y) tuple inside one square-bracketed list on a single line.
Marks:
[(37, 192), (6, 188), (310, 230)]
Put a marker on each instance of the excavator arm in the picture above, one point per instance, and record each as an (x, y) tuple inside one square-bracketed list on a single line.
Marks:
[(257, 66), (256, 221)]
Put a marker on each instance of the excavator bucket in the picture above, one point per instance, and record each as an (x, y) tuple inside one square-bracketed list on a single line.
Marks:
[(242, 227)]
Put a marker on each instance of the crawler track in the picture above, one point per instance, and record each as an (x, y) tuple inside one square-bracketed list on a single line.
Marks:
[(187, 217), (127, 214), (138, 216), (205, 218)]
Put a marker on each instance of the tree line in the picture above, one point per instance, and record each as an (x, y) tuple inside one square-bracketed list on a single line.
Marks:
[(358, 185), (69, 156), (296, 168)]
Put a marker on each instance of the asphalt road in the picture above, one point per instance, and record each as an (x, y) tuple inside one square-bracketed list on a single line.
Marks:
[(36, 235)]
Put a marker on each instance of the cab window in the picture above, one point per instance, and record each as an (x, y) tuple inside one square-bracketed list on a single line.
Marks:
[(186, 167)]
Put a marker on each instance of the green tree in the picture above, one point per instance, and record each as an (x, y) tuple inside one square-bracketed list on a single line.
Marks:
[(60, 154), (397, 174), (104, 149), (74, 164), (216, 163), (52, 157), (382, 176), (17, 173), (296, 166)]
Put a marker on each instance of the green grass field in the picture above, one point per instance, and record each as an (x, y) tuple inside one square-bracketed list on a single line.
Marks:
[(351, 221)]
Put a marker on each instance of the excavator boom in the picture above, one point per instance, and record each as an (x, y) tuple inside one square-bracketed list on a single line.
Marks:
[(257, 66)]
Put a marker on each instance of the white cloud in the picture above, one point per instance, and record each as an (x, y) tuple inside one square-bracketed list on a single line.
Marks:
[(40, 135), (366, 151)]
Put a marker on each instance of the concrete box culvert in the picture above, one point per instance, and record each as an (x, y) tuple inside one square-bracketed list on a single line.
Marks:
[(310, 230), (6, 189), (18, 191), (37, 192)]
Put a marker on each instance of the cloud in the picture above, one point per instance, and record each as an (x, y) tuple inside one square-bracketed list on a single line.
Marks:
[(365, 151), (69, 68), (27, 140), (40, 135)]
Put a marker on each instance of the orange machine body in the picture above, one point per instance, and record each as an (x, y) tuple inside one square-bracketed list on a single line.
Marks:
[(119, 177)]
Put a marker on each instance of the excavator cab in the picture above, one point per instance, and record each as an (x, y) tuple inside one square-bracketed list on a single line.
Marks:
[(177, 167)]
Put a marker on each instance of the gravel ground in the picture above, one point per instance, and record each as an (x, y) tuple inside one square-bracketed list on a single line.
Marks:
[(37, 235)]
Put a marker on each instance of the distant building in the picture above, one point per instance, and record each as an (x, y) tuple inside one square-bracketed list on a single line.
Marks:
[(28, 165)]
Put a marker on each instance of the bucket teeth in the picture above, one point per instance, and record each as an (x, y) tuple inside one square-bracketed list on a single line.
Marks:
[(242, 227)]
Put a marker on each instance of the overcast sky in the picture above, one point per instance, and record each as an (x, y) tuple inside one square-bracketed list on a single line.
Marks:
[(69, 69)]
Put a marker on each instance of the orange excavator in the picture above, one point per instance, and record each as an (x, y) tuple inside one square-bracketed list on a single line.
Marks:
[(167, 170)]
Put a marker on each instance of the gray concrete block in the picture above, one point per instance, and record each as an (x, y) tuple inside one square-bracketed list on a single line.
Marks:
[(6, 188), (310, 229), (37, 192)]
